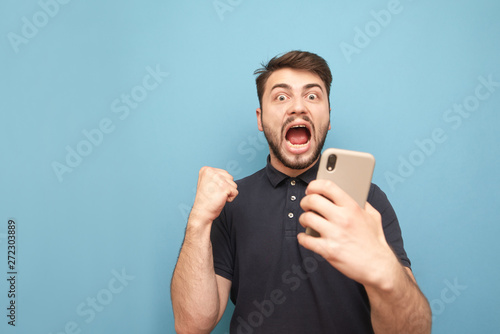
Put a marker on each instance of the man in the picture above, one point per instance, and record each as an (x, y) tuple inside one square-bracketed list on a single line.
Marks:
[(245, 238)]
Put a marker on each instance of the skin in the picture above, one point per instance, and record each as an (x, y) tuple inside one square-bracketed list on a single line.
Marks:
[(294, 97), (351, 238), (199, 296)]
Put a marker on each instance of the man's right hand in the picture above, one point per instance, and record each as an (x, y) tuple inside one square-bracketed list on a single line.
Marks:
[(215, 188), (199, 296)]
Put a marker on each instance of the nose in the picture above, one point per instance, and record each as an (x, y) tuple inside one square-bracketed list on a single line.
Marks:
[(297, 107)]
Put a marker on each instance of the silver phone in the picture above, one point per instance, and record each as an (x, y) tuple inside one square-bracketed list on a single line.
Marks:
[(350, 170)]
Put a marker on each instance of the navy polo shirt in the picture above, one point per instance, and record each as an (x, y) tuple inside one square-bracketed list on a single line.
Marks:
[(279, 286)]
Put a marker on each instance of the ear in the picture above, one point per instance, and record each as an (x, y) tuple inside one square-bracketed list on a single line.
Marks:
[(259, 119), (329, 121)]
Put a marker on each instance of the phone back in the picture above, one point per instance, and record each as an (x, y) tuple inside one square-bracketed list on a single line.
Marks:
[(352, 171)]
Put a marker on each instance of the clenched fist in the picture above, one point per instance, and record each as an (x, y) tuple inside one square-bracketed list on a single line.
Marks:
[(215, 188)]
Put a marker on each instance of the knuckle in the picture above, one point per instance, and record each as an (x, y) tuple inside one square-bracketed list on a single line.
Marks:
[(355, 208), (343, 220), (305, 216), (205, 172), (316, 197), (328, 184)]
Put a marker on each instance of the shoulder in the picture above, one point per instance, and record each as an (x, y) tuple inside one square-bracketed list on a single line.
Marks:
[(252, 180), (377, 198), (392, 231), (251, 190)]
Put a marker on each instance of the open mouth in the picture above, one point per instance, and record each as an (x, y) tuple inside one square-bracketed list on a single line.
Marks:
[(298, 136)]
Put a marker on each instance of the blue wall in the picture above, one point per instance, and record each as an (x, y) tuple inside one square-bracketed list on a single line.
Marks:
[(109, 109)]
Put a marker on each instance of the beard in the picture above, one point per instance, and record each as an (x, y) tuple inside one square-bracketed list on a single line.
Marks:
[(302, 161)]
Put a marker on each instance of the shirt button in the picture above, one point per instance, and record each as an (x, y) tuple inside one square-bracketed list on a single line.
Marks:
[(292, 182), (290, 215), (293, 198)]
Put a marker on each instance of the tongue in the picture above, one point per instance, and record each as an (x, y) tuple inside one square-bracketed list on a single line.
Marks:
[(297, 136)]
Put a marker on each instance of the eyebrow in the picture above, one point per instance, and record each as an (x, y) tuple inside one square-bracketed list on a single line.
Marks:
[(287, 86), (311, 85), (281, 85)]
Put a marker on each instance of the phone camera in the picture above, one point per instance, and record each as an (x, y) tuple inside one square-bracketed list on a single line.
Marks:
[(332, 160)]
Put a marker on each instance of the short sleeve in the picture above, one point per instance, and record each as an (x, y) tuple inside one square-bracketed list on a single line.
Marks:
[(223, 255), (390, 223)]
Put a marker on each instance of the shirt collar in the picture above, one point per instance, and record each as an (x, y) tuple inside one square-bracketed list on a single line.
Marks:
[(276, 177)]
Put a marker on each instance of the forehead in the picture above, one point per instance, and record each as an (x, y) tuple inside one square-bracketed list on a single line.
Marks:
[(296, 79)]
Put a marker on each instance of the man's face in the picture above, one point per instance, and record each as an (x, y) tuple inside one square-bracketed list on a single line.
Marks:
[(295, 118)]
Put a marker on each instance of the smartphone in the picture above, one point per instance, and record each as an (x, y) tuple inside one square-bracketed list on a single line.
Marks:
[(350, 170)]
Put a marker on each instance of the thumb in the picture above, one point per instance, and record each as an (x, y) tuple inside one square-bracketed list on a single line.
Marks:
[(370, 210), (232, 195)]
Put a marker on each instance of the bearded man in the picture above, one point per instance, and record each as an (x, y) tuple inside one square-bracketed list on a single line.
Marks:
[(245, 239)]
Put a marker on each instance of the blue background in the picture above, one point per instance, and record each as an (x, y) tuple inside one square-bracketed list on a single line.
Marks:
[(122, 209)]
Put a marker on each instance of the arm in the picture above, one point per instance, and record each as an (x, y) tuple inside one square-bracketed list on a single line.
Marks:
[(402, 309), (199, 296), (352, 240)]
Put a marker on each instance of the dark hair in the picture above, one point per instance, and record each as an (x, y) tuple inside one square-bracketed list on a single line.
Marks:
[(300, 60)]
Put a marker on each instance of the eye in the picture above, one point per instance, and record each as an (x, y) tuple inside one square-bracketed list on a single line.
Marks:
[(312, 96), (281, 97)]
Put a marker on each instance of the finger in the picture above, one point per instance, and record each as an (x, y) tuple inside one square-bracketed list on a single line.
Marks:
[(227, 183), (372, 211), (312, 243), (213, 173), (319, 204), (233, 192), (314, 221), (214, 181), (330, 190)]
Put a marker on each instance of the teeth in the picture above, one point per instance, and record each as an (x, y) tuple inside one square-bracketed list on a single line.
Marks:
[(296, 145)]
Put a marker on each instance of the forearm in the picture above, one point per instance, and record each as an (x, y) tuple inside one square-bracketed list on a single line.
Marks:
[(194, 291), (400, 307)]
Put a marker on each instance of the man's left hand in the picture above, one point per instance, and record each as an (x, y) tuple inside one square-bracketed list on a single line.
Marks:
[(351, 238)]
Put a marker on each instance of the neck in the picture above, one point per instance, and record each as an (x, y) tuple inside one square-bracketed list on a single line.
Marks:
[(291, 172)]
